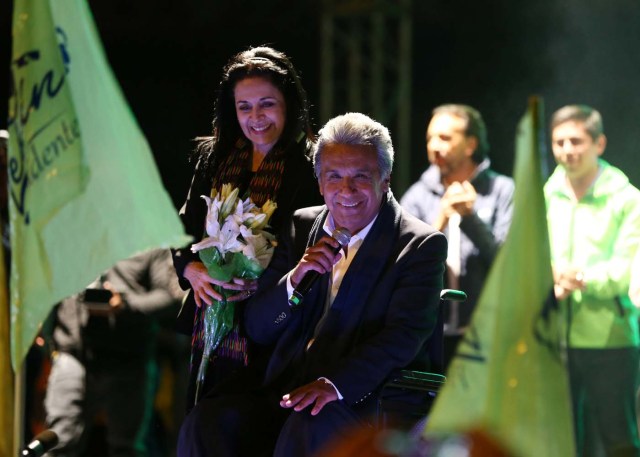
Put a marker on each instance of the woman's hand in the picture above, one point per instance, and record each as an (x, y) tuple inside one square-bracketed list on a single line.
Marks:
[(203, 290)]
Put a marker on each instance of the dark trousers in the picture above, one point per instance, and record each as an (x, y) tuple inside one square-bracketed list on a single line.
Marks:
[(603, 386), (76, 392), (254, 424), (305, 435)]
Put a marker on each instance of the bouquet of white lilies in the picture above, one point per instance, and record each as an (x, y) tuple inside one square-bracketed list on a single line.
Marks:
[(235, 245)]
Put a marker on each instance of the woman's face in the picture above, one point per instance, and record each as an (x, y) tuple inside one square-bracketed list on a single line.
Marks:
[(261, 112)]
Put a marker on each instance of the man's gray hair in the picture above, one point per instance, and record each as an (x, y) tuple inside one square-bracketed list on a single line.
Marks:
[(359, 130)]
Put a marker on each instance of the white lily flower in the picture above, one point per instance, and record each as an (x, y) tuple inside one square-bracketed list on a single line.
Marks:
[(229, 203), (257, 222), (235, 225), (212, 224), (230, 237), (242, 216), (269, 207), (208, 242), (258, 246), (263, 215), (248, 206), (225, 240)]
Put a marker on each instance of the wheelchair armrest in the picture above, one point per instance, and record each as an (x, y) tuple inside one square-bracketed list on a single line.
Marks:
[(453, 295), (416, 380), (406, 396)]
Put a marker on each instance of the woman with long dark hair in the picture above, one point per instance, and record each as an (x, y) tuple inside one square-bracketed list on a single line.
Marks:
[(260, 144)]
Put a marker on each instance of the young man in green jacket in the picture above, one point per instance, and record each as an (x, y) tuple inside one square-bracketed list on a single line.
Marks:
[(593, 214)]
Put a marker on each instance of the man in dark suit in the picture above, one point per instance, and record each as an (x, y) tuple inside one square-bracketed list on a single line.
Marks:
[(371, 312)]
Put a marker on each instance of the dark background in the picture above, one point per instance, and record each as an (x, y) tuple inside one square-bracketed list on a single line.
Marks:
[(491, 54), (168, 56)]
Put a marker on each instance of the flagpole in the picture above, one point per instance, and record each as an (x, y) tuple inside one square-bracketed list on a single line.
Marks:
[(509, 378), (536, 104), (18, 408)]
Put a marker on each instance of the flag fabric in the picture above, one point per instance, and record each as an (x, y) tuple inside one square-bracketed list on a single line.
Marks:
[(508, 377), (84, 188)]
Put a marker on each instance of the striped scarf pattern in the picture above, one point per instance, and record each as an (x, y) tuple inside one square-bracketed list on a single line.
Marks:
[(264, 185)]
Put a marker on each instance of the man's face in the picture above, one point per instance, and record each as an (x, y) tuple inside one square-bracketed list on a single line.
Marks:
[(447, 145), (575, 150), (351, 184)]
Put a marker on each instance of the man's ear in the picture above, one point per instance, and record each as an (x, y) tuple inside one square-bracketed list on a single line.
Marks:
[(386, 184), (601, 143), (472, 145)]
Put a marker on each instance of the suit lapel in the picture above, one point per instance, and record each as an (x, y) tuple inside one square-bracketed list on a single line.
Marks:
[(364, 271), (313, 307)]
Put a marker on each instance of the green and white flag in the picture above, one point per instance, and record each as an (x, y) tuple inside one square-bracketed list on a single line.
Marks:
[(508, 378), (84, 188)]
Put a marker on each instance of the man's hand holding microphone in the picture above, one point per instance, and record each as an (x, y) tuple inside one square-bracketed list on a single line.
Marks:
[(316, 261)]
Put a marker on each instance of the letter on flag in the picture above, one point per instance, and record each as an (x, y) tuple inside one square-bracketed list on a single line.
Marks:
[(508, 377), (84, 189)]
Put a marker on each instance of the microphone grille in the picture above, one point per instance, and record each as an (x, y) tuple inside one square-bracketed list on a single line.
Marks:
[(48, 439), (342, 236), (42, 443)]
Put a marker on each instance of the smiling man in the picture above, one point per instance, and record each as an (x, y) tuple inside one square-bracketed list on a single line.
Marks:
[(472, 204), (593, 213), (371, 312)]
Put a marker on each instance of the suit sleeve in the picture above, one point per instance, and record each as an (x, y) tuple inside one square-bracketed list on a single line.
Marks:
[(268, 313), (409, 321)]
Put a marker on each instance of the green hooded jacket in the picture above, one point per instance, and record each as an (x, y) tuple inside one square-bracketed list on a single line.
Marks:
[(598, 235)]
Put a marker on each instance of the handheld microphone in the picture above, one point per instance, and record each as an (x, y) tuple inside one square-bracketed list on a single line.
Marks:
[(43, 442), (342, 236)]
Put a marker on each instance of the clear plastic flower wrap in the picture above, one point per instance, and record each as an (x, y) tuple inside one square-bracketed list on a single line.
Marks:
[(236, 244)]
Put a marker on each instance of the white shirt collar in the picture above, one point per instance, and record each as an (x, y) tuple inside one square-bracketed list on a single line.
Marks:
[(329, 227)]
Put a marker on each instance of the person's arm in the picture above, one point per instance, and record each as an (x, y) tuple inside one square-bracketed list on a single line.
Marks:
[(192, 214), (268, 313), (158, 295), (317, 393), (488, 238), (634, 284), (191, 272), (320, 258), (610, 278), (414, 298), (409, 322)]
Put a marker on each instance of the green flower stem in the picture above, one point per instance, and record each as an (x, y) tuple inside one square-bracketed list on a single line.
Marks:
[(218, 322)]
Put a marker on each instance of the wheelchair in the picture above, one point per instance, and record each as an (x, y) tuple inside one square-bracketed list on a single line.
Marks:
[(408, 395)]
